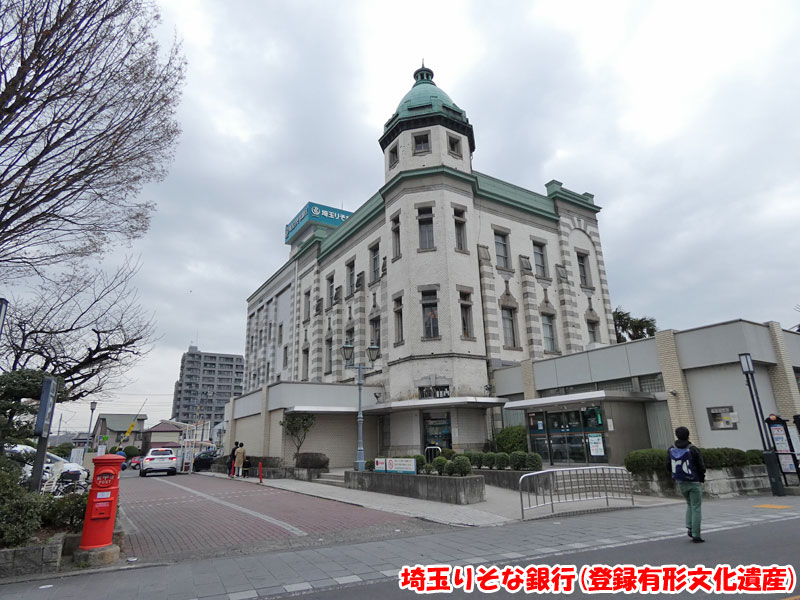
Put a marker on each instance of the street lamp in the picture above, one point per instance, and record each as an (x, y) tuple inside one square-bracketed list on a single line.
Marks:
[(92, 406), (347, 353), (770, 458)]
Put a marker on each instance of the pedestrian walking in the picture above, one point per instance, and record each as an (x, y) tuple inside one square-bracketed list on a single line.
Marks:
[(688, 470), (239, 459), (231, 458)]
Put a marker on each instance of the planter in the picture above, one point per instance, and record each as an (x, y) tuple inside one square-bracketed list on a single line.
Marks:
[(720, 483), (439, 488), (30, 560)]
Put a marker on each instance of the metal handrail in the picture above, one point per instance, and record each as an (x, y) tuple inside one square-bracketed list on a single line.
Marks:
[(574, 485)]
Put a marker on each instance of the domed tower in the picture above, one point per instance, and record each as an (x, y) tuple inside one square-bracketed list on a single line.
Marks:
[(428, 129)]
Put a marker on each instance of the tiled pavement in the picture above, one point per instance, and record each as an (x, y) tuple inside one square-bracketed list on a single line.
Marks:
[(277, 573)]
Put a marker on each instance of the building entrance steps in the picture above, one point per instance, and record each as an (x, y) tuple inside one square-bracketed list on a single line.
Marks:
[(501, 506), (335, 479)]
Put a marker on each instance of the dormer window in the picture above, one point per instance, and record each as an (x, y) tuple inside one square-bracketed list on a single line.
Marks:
[(422, 143), (394, 156), (454, 145)]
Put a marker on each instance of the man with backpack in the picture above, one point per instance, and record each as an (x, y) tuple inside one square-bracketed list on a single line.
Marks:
[(686, 465)]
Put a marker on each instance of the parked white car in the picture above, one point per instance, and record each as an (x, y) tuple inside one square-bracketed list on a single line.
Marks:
[(159, 459), (52, 462)]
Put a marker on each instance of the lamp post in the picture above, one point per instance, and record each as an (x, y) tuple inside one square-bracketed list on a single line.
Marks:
[(347, 354), (770, 458), (92, 406)]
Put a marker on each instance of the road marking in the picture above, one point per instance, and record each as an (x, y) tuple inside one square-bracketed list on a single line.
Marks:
[(283, 525), (773, 506)]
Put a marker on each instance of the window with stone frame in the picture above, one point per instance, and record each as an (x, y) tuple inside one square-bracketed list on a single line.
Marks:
[(304, 367), (351, 277), (398, 320), (307, 305), (375, 262), (349, 339), (430, 315), (328, 355), (508, 316), (422, 143), (396, 236), (549, 333), (594, 331), (285, 356), (394, 156), (425, 220), (540, 260), (280, 334), (460, 220), (331, 291), (465, 302), (454, 145), (501, 249), (584, 273), (375, 333)]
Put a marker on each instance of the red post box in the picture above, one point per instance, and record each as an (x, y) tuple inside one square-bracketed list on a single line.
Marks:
[(101, 508)]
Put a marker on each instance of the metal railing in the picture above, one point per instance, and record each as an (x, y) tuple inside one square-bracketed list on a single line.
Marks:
[(557, 486)]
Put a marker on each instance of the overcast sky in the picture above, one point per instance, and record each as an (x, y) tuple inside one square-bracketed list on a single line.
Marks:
[(680, 117)]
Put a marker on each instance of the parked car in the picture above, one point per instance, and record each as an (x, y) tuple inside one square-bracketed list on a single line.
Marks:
[(25, 454), (136, 462), (159, 459), (203, 461)]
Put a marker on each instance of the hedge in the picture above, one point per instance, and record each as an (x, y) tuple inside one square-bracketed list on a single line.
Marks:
[(511, 439), (312, 460), (501, 460), (653, 460), (754, 457)]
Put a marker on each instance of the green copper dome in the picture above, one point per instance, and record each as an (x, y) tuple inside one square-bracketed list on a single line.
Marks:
[(426, 104)]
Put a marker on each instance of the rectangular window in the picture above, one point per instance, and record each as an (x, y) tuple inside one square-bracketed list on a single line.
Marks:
[(331, 291), (454, 145), (349, 338), (328, 355), (722, 417), (461, 230), (307, 305), (280, 334), (549, 333), (539, 260), (593, 334), (398, 320), (583, 270), (395, 237), (394, 156), (430, 315), (285, 356), (501, 249), (422, 143), (509, 327), (351, 278), (465, 299), (375, 332), (304, 372), (375, 262), (425, 218)]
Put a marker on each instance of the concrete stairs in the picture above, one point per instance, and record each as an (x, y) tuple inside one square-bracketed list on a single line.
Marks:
[(336, 479)]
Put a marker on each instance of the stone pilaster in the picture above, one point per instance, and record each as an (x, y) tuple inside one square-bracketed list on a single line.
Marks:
[(533, 326), (528, 381), (491, 326), (784, 383), (678, 400), (567, 296)]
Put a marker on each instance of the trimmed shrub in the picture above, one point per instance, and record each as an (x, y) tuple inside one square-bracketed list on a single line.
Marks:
[(713, 458), (20, 512), (476, 459), (533, 461), (65, 513), (462, 466), (510, 439), (651, 460), (488, 459), (427, 468), (420, 458), (733, 457), (449, 467), (439, 464), (369, 465), (131, 451), (517, 460), (448, 453), (754, 457), (312, 460), (501, 460)]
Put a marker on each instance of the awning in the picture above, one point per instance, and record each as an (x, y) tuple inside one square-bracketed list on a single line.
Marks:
[(596, 396), (434, 403)]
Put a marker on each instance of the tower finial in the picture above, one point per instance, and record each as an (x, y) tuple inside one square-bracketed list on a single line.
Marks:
[(423, 63)]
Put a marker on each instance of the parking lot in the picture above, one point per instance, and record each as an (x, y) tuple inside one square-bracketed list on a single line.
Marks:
[(190, 516)]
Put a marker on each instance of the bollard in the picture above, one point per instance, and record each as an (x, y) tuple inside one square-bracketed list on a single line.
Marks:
[(97, 547), (260, 473), (233, 468)]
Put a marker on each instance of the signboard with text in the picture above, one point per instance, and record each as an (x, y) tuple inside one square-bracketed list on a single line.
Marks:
[(395, 465), (315, 213)]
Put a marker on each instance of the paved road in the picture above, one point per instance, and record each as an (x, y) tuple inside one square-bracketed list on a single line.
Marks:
[(737, 530), (193, 516)]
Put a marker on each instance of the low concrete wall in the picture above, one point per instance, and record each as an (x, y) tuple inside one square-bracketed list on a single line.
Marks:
[(30, 560), (277, 473), (720, 483), (504, 478), (452, 490)]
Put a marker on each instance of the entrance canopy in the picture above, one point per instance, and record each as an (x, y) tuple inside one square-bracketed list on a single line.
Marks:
[(435, 403), (596, 396)]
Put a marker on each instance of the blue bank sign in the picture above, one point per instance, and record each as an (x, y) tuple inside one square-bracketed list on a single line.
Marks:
[(315, 213)]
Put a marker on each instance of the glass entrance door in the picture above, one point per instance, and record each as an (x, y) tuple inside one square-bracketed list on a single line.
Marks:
[(566, 437)]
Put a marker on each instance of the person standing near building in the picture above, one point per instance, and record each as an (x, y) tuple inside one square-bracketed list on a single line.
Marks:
[(239, 459), (686, 465), (231, 458)]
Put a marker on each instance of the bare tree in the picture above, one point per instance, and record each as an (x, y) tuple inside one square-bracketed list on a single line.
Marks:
[(86, 328), (87, 117)]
